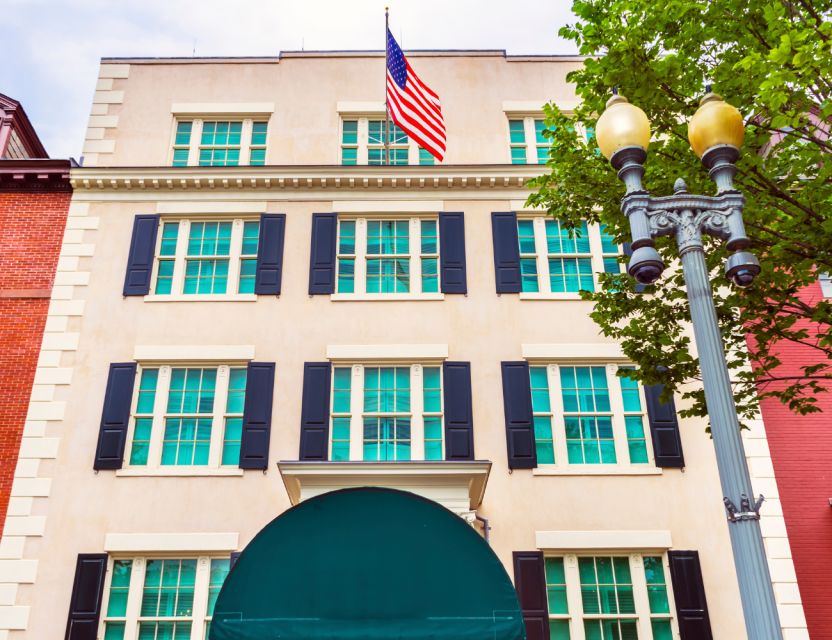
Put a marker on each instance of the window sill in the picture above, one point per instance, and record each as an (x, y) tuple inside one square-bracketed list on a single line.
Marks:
[(538, 295), (179, 472), (203, 297), (381, 297), (597, 470)]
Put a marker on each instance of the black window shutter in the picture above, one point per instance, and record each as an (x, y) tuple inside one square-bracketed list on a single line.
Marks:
[(530, 583), (140, 258), (517, 402), (314, 413), (506, 252), (85, 602), (257, 416), (235, 555), (689, 593), (664, 428), (628, 251), (115, 416), (322, 255), (270, 254), (452, 253), (459, 411)]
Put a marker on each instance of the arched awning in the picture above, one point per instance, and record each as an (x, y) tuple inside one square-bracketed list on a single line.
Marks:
[(368, 564)]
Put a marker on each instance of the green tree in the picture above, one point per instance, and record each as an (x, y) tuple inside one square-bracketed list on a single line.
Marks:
[(769, 58)]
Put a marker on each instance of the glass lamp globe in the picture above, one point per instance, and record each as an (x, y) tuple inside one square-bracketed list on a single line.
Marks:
[(715, 123), (621, 125)]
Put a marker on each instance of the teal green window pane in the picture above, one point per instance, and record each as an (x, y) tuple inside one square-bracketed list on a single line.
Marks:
[(386, 438), (399, 156), (589, 437), (251, 238), (608, 244), (430, 244), (346, 237), (141, 441), (425, 157), (164, 630), (386, 391), (570, 275), (636, 442), (219, 571), (209, 239), (168, 589), (543, 440), (661, 630), (539, 379), (346, 275), (542, 155), (119, 586), (518, 155), (388, 275), (433, 438), (170, 233), (114, 631), (388, 237), (630, 394), (560, 240), (430, 275), (258, 133), (183, 133), (397, 134), (340, 438), (206, 276), (349, 133), (180, 157), (375, 132), (517, 131), (525, 235), (257, 157), (612, 265), (248, 275), (606, 586), (164, 277), (539, 126), (559, 630), (341, 388), (236, 390), (656, 584), (349, 155), (610, 630), (187, 437), (528, 275), (147, 391), (432, 390), (375, 156), (231, 439), (556, 586)]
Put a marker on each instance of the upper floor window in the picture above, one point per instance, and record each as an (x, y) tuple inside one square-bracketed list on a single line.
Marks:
[(388, 256), (554, 259), (825, 284), (363, 142), (212, 143), (187, 416), (603, 597), (387, 413), (526, 141), (156, 597), (208, 257), (587, 415)]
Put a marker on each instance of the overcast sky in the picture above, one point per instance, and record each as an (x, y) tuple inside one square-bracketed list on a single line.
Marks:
[(52, 47)]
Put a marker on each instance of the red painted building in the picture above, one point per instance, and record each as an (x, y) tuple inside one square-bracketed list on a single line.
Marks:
[(801, 451), (34, 199)]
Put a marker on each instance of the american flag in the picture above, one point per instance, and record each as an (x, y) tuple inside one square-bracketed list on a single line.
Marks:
[(413, 106)]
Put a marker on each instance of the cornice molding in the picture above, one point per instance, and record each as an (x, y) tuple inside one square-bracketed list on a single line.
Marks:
[(495, 180), (34, 175)]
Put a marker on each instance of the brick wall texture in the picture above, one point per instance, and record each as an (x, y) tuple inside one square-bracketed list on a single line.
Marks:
[(801, 451), (31, 230)]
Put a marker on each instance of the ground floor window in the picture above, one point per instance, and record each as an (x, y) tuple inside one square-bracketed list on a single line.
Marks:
[(162, 598), (608, 597)]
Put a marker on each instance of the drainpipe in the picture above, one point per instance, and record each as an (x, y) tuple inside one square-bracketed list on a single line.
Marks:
[(486, 528)]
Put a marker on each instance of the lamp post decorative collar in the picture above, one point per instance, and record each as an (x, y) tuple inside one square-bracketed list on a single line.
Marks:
[(716, 134)]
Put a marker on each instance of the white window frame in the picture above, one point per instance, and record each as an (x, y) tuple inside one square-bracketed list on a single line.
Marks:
[(544, 284), (154, 466), (362, 156), (417, 423), (415, 257), (622, 466), (134, 593), (528, 119), (642, 604), (825, 280), (195, 141), (180, 258)]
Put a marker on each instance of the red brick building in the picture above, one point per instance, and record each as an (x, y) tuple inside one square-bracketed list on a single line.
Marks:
[(801, 452), (34, 199)]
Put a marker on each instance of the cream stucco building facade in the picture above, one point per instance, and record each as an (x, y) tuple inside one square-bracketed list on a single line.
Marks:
[(177, 495)]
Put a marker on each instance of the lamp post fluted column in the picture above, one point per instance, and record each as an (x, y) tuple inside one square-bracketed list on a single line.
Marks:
[(623, 140)]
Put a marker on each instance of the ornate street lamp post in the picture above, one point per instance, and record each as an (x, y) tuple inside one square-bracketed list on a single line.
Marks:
[(716, 133)]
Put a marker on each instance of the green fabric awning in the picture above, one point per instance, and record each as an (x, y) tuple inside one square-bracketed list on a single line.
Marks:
[(368, 564)]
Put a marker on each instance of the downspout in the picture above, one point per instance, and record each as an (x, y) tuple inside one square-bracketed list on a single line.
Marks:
[(486, 528)]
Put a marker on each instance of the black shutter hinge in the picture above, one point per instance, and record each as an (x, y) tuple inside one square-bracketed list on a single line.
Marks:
[(746, 511)]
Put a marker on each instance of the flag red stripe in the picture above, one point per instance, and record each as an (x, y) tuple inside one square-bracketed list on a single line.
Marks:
[(415, 123), (428, 90), (415, 105), (405, 104), (430, 143), (415, 86)]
